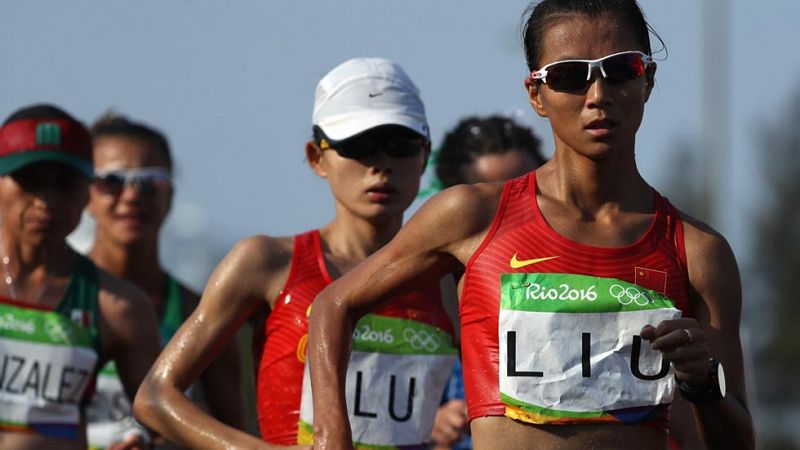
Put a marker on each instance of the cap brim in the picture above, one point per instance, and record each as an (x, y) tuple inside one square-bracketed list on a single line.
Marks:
[(338, 130), (11, 163)]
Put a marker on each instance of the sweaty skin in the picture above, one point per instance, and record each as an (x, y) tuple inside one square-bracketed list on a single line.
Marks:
[(247, 283), (591, 193)]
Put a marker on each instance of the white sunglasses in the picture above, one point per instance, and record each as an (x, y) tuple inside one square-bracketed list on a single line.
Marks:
[(576, 74), (147, 180)]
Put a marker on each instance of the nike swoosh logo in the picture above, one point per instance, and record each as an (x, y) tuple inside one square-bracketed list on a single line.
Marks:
[(516, 264), (372, 95)]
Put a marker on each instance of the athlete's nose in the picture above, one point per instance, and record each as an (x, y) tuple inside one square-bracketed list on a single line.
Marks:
[(379, 162), (597, 93)]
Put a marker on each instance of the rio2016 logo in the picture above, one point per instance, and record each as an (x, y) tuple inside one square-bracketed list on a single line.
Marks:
[(418, 339), (564, 292), (365, 333), (9, 322)]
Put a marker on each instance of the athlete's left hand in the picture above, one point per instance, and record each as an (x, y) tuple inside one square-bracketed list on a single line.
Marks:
[(450, 423), (683, 343)]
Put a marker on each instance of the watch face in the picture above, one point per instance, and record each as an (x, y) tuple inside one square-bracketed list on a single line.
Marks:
[(721, 379)]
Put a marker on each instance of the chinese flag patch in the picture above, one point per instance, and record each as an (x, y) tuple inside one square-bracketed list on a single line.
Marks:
[(652, 279)]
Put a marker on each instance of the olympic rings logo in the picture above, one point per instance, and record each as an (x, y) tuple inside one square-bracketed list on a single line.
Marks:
[(629, 295), (422, 340), (57, 332)]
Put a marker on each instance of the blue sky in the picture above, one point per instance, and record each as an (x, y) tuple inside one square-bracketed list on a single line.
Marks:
[(232, 85)]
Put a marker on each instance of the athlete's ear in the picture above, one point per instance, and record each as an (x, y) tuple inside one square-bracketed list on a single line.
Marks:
[(314, 158), (534, 97), (650, 80)]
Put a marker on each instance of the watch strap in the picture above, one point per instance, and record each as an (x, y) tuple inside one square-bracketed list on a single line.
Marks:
[(708, 394)]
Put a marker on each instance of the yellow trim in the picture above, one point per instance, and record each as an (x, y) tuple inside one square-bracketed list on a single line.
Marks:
[(540, 419)]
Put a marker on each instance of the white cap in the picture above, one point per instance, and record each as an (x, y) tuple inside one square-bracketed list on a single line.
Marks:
[(364, 93)]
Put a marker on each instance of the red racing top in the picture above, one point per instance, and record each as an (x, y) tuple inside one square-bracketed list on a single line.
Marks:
[(280, 345), (521, 242)]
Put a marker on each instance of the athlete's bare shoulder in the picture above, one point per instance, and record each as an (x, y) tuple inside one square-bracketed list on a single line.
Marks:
[(458, 218), (261, 263), (471, 196), (118, 298), (703, 243), (263, 252), (711, 265), (465, 206), (127, 320)]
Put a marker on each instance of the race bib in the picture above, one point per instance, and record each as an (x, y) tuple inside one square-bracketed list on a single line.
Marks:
[(109, 415), (397, 373), (46, 364), (570, 349)]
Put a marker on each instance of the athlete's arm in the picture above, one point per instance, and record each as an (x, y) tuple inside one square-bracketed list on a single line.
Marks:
[(438, 240), (715, 293), (235, 290), (128, 330), (221, 381)]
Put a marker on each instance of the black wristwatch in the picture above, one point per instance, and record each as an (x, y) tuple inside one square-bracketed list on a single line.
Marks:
[(712, 392)]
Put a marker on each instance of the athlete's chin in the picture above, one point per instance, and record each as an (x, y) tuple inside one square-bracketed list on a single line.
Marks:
[(381, 213), (45, 237), (127, 236), (607, 145), (601, 150)]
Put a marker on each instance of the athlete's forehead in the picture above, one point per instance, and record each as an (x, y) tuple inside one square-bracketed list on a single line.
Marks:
[(578, 36)]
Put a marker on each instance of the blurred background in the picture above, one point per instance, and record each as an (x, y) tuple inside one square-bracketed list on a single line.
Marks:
[(232, 85)]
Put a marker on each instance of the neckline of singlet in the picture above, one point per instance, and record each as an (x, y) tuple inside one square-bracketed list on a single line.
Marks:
[(645, 239), (172, 316), (316, 240), (70, 286)]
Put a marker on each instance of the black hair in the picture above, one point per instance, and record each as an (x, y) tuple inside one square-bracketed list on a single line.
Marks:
[(473, 137), (42, 111), (537, 17), (117, 125)]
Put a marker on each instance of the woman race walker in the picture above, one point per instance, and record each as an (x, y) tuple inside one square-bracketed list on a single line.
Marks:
[(477, 150), (587, 300), (370, 144), (61, 318), (130, 199)]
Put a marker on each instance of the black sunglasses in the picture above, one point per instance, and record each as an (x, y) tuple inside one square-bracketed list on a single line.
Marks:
[(55, 176), (392, 144), (576, 74)]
